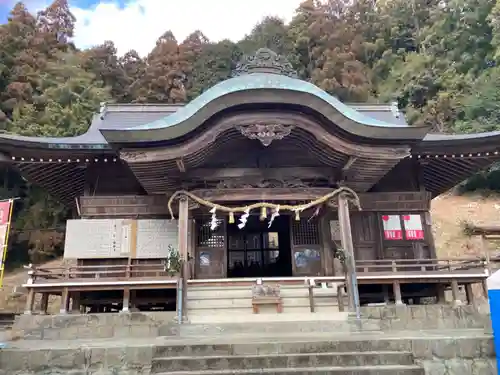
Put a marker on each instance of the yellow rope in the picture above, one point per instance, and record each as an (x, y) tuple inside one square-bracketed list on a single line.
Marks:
[(301, 207)]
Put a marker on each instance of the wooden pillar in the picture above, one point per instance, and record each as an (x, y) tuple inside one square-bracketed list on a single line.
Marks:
[(340, 297), (326, 243), (183, 248), (385, 292), (348, 247), (397, 293), (485, 288), (486, 253), (28, 310), (75, 302), (44, 303), (126, 299), (455, 292), (470, 295), (441, 294), (64, 301)]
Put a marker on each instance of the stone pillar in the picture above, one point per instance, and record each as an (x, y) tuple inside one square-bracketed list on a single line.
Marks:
[(397, 293), (44, 303), (126, 300), (348, 247), (183, 248), (30, 300), (64, 301), (455, 292)]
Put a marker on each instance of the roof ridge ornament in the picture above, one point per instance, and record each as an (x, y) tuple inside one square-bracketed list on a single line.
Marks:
[(265, 61)]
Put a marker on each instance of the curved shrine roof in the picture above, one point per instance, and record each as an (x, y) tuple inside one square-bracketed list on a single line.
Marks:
[(445, 160)]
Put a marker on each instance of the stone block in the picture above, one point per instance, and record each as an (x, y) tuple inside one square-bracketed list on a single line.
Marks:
[(115, 357), (484, 367), (458, 366), (138, 356), (13, 360), (468, 348), (434, 368), (68, 359), (422, 349)]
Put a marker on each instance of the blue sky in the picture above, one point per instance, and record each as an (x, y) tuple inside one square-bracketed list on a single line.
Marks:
[(136, 24)]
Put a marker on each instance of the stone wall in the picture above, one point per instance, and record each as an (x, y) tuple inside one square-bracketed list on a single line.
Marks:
[(447, 355), (153, 324), (457, 356), (124, 360), (427, 317), (98, 326)]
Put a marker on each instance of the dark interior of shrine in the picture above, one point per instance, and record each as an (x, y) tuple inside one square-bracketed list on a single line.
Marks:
[(259, 250)]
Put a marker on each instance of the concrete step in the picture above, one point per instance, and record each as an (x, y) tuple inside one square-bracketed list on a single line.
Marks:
[(357, 370), (281, 361), (264, 321), (246, 292), (277, 324), (360, 345), (229, 302)]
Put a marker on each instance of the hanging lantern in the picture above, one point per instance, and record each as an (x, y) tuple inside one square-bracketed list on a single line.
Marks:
[(231, 218)]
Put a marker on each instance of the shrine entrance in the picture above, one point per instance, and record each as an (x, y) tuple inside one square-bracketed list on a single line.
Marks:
[(259, 251)]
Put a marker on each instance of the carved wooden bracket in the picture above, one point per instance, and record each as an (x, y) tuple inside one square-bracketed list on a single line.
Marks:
[(266, 134)]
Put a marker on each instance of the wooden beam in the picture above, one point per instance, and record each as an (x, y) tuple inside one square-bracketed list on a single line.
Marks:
[(266, 173)]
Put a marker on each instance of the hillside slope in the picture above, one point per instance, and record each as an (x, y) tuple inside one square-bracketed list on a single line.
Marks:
[(448, 212)]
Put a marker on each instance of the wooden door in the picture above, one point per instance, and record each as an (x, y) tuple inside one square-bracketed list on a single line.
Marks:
[(365, 235), (210, 254), (306, 247)]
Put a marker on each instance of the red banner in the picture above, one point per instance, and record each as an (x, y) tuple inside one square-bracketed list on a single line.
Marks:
[(5, 215), (413, 227), (392, 227)]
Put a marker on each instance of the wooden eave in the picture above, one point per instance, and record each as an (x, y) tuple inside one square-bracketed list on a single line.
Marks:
[(61, 172), (167, 169), (447, 160)]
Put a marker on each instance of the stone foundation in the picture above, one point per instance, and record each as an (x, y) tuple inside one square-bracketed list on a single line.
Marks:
[(95, 326), (131, 325), (436, 355), (394, 340)]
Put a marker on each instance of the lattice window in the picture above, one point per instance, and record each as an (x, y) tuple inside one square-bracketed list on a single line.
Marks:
[(208, 238), (305, 232)]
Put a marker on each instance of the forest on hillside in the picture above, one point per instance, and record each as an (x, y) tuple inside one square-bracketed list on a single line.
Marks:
[(438, 59)]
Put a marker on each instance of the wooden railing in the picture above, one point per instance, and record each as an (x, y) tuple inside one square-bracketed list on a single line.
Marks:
[(429, 267), (157, 271), (100, 272)]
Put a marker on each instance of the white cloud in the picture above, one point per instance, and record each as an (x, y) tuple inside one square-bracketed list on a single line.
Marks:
[(141, 22)]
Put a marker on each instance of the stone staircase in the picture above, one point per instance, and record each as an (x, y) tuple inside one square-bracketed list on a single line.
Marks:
[(215, 304), (380, 357)]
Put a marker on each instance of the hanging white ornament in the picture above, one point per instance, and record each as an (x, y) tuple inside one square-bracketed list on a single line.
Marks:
[(243, 219), (274, 215), (214, 223)]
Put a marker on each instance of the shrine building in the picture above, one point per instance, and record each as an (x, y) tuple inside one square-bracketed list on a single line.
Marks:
[(262, 138)]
